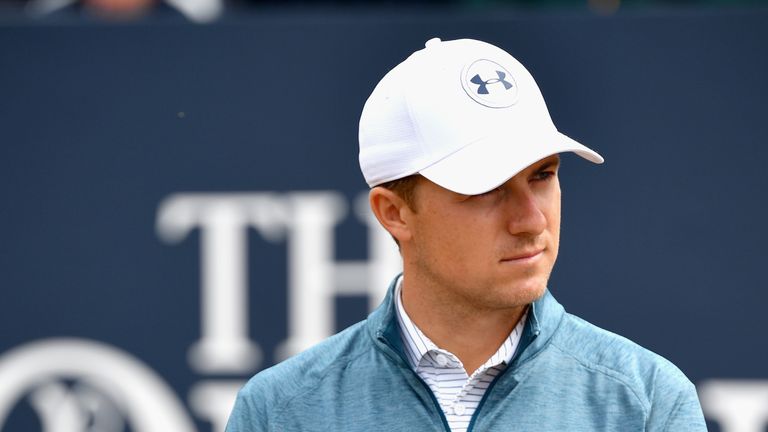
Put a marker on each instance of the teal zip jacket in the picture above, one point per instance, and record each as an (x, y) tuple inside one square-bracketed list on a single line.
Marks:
[(567, 375)]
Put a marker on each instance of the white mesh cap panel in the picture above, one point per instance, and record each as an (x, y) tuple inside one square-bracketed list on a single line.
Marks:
[(389, 144)]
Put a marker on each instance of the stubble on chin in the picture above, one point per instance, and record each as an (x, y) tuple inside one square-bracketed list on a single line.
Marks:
[(524, 290), (519, 296)]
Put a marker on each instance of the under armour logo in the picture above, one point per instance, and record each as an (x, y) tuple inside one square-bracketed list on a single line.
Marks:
[(483, 89)]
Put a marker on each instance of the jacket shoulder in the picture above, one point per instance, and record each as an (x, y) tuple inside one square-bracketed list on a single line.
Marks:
[(616, 355), (662, 388), (263, 397)]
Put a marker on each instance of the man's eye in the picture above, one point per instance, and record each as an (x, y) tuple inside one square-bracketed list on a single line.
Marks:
[(543, 175)]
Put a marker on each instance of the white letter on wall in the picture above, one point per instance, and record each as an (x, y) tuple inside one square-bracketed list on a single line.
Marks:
[(223, 220), (315, 278), (737, 405)]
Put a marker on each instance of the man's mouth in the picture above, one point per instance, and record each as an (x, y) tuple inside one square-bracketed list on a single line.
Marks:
[(523, 256)]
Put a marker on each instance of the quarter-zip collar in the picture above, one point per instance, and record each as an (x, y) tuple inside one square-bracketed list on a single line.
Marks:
[(544, 318)]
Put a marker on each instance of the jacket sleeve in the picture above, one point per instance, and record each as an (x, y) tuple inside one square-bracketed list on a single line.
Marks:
[(686, 414), (248, 415), (676, 408)]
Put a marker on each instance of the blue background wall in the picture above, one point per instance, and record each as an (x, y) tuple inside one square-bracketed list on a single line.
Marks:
[(663, 244)]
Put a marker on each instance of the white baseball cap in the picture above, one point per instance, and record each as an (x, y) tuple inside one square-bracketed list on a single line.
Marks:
[(464, 114)]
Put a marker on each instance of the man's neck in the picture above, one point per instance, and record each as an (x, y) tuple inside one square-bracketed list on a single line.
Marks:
[(473, 334)]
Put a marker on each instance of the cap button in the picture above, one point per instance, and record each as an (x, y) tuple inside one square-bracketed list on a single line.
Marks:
[(432, 42)]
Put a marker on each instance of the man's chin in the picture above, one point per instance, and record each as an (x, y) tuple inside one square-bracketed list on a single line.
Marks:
[(519, 294), (530, 294)]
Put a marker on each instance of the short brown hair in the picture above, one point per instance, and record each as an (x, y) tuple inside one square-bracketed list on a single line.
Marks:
[(405, 188)]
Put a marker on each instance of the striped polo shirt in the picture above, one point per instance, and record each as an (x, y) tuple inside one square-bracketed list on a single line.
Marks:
[(458, 393)]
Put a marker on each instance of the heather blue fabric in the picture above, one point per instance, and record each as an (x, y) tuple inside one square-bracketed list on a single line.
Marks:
[(567, 375)]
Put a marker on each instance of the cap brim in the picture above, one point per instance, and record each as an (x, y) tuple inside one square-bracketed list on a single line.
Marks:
[(487, 163)]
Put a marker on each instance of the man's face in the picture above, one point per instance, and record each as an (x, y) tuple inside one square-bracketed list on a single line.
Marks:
[(489, 251)]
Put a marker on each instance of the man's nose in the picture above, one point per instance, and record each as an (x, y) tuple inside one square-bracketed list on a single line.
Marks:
[(524, 212)]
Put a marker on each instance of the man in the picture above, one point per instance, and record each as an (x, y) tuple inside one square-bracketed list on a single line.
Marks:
[(462, 157)]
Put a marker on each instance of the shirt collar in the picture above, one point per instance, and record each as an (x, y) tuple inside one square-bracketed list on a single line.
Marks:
[(416, 344)]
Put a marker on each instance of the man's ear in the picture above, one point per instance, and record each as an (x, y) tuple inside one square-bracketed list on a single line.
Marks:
[(391, 211)]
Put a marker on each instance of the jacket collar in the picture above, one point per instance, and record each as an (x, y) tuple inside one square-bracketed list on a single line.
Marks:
[(543, 320)]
